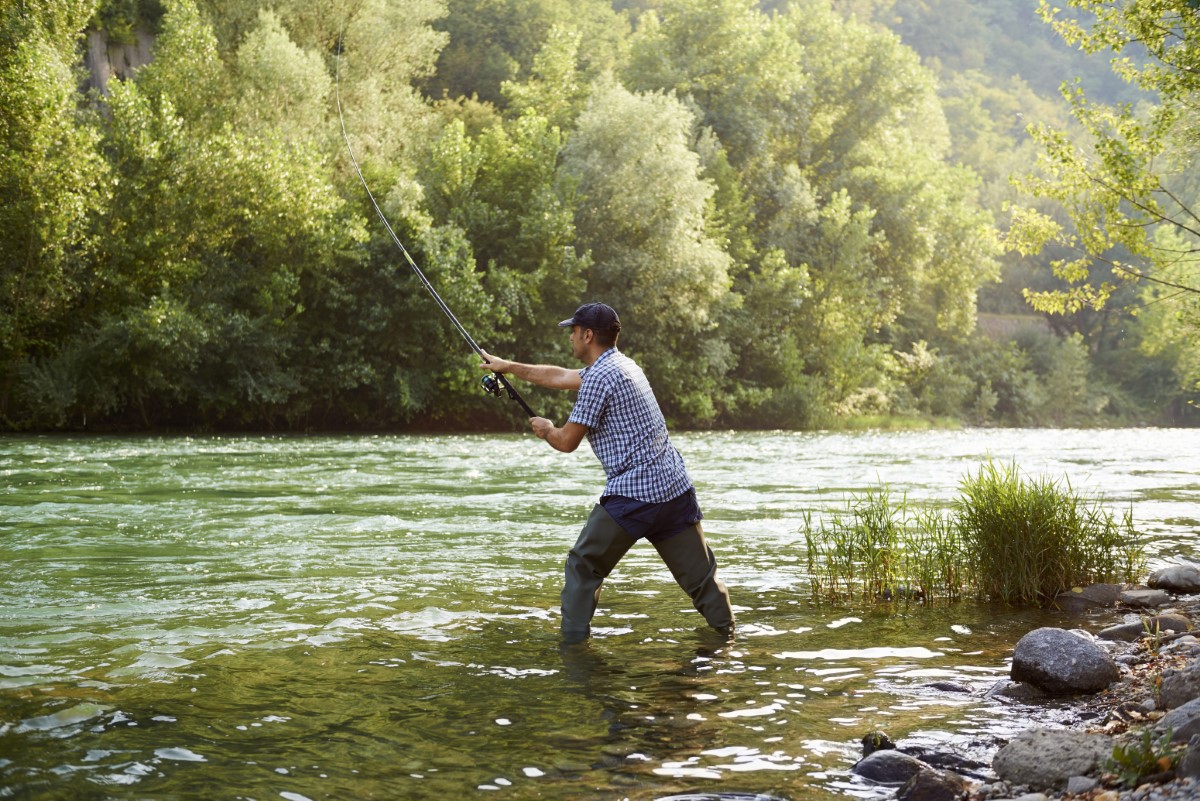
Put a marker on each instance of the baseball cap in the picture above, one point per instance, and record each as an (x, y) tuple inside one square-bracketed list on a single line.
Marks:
[(597, 316)]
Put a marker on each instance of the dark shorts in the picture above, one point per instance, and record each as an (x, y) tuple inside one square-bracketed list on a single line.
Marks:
[(654, 521)]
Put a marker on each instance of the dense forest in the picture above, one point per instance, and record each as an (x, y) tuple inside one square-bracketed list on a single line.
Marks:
[(800, 208)]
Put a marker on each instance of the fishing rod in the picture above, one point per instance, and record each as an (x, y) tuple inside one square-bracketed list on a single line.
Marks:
[(493, 383)]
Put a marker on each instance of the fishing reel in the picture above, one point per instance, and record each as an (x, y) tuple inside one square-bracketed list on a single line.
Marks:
[(491, 385)]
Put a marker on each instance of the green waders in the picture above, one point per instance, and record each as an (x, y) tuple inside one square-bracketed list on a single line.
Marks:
[(601, 545)]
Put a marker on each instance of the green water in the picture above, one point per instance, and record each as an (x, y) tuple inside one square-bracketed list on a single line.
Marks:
[(376, 617)]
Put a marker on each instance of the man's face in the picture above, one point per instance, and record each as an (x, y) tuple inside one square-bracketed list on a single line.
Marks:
[(578, 345)]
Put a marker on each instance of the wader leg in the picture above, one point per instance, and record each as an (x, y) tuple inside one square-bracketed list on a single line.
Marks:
[(600, 546), (695, 569)]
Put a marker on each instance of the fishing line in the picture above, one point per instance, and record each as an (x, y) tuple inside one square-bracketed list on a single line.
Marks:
[(492, 382)]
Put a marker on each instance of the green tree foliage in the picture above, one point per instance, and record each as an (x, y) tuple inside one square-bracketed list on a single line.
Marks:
[(280, 88), (210, 233), (774, 195), (493, 42), (51, 177), (1132, 211), (641, 215)]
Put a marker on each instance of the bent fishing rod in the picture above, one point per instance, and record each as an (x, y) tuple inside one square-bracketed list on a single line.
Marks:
[(493, 383)]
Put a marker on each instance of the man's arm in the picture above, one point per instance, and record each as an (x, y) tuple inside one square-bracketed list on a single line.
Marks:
[(544, 375), (565, 439)]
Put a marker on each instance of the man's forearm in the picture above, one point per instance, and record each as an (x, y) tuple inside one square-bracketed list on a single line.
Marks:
[(565, 439), (546, 375)]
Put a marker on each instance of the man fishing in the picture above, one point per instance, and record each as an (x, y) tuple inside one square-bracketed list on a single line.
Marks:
[(648, 492)]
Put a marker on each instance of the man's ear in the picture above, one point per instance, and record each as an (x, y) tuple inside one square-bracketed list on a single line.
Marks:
[(588, 336)]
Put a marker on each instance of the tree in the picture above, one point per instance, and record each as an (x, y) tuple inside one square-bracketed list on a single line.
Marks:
[(281, 89), (51, 178), (642, 205), (1132, 215), (496, 41), (193, 308)]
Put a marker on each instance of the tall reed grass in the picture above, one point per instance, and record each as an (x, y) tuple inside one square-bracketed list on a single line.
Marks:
[(1003, 539)]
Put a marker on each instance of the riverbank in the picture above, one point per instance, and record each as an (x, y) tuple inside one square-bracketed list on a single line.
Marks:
[(1123, 698), (1118, 741)]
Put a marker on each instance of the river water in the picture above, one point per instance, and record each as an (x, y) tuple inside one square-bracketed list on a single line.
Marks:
[(376, 617)]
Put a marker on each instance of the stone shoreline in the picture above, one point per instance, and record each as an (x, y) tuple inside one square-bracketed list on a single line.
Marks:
[(1125, 687)]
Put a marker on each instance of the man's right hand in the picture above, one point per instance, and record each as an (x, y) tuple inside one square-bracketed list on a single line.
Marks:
[(494, 363)]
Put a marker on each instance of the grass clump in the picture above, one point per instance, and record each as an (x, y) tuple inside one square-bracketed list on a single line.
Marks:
[(1004, 539), (1030, 540), (875, 548)]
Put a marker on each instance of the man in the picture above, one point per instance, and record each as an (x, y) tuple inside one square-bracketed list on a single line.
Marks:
[(648, 493)]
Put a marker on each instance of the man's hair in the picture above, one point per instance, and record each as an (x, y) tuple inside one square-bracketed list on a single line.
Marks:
[(608, 337)]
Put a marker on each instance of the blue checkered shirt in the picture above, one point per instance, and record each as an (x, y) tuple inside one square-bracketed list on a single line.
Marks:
[(627, 431)]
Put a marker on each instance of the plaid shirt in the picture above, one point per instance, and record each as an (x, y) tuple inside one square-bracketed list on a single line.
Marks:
[(627, 431)]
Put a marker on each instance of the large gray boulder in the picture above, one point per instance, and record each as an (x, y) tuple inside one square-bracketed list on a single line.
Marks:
[(1180, 579), (1046, 759), (1062, 662)]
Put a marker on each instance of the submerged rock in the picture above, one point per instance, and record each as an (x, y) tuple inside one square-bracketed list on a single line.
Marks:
[(888, 767), (876, 741), (1060, 661)]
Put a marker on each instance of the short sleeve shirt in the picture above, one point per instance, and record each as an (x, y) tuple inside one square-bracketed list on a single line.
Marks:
[(627, 431)]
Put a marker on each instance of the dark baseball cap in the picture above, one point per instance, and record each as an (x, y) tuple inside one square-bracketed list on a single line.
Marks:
[(597, 316)]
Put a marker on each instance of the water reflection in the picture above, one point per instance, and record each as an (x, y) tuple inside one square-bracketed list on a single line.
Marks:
[(336, 617)]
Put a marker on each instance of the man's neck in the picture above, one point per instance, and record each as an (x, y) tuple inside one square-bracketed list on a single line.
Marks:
[(592, 354)]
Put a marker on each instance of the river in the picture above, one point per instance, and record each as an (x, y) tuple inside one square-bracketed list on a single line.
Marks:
[(362, 617)]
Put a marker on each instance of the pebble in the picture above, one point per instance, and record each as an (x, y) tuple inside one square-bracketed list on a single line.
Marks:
[(1186, 789)]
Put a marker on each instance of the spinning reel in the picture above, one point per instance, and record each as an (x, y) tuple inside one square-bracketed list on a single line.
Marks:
[(491, 385)]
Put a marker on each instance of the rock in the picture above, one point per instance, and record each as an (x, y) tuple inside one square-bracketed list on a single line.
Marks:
[(876, 741), (1045, 759), (1167, 623), (1079, 785), (929, 785), (1062, 662), (1096, 596), (888, 767), (946, 760), (1183, 721), (1189, 763), (1131, 632), (1016, 691), (1145, 599), (1183, 644), (1179, 579), (1179, 686), (949, 687)]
